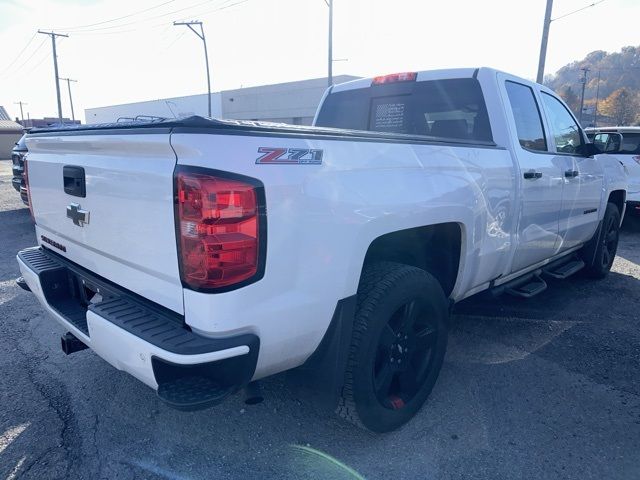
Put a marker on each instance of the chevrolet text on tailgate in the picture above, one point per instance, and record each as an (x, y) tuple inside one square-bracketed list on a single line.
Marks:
[(201, 255)]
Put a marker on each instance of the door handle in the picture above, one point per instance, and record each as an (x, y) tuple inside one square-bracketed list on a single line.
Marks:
[(532, 175), (571, 173)]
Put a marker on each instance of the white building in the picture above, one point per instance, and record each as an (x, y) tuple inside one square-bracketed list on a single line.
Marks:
[(10, 133), (291, 102)]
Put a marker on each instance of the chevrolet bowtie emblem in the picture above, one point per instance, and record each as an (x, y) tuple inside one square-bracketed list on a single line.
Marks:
[(79, 216)]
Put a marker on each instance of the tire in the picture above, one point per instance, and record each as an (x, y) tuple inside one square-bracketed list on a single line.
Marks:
[(601, 250), (402, 315)]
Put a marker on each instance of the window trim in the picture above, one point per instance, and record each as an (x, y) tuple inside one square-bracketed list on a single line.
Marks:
[(540, 116), (549, 125)]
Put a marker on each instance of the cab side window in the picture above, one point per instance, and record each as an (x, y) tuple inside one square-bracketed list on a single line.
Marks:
[(564, 128), (527, 117)]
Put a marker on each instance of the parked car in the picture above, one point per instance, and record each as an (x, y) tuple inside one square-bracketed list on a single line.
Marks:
[(17, 158), (201, 255), (624, 144)]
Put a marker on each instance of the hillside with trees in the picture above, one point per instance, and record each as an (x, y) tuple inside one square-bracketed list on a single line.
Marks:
[(612, 86)]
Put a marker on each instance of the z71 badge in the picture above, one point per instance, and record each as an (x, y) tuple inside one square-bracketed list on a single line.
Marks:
[(289, 156)]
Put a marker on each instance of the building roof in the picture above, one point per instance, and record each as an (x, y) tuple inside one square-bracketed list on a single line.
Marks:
[(10, 126), (3, 114)]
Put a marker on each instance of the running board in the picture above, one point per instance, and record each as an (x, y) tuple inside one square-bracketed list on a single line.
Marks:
[(527, 286), (564, 270)]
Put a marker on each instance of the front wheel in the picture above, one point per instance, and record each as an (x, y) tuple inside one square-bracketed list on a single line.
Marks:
[(398, 346), (604, 250)]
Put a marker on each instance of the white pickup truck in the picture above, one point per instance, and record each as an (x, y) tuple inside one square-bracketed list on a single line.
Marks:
[(201, 255)]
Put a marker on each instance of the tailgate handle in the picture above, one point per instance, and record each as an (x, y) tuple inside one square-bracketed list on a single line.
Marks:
[(74, 181)]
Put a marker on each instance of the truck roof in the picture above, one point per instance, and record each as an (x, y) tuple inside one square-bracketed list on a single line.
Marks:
[(423, 75), (619, 129)]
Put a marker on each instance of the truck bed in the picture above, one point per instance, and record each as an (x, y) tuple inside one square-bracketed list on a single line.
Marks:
[(196, 124)]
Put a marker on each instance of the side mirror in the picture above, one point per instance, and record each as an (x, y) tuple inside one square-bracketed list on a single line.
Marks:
[(588, 149), (608, 142)]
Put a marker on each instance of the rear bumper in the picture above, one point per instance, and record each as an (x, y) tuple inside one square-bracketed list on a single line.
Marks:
[(132, 334)]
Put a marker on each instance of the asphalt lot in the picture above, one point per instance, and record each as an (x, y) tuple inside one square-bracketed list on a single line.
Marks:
[(545, 388)]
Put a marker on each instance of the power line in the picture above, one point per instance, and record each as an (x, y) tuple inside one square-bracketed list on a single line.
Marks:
[(30, 56), (101, 30), (219, 8), (117, 18), (116, 32), (576, 11), (574, 69), (20, 54), (175, 40), (35, 66), (137, 22), (545, 34)]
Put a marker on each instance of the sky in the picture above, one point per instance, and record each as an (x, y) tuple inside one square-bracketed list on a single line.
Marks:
[(256, 42)]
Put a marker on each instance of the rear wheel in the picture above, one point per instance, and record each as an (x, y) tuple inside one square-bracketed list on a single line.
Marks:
[(600, 255), (398, 345)]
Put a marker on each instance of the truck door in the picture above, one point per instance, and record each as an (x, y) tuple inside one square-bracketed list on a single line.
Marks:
[(540, 177), (583, 176)]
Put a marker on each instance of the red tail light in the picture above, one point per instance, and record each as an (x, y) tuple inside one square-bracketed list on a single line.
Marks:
[(395, 77), (221, 229)]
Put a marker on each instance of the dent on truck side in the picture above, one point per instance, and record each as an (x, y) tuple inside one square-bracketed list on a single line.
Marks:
[(470, 188)]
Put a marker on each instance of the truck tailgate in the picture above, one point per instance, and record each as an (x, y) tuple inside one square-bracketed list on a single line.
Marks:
[(128, 236)]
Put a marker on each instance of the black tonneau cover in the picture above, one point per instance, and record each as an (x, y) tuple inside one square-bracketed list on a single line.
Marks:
[(197, 124)]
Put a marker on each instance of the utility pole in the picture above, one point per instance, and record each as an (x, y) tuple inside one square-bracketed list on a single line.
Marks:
[(69, 80), (330, 64), (545, 33), (55, 67), (595, 116), (583, 80), (21, 103), (206, 56), (545, 40)]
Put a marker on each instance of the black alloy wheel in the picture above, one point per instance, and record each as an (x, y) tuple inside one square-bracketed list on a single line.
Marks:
[(610, 238), (600, 252), (397, 348), (405, 355)]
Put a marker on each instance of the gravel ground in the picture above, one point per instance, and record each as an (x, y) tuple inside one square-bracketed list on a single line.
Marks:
[(545, 388)]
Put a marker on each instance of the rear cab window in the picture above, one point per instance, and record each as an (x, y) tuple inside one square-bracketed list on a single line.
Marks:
[(448, 109), (526, 116)]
